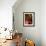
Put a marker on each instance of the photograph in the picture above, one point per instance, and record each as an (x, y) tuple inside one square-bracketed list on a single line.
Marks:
[(29, 19)]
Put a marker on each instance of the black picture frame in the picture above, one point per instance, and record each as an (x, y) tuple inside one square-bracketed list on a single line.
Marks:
[(28, 19)]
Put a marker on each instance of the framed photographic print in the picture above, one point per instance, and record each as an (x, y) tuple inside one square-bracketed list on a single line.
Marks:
[(28, 19)]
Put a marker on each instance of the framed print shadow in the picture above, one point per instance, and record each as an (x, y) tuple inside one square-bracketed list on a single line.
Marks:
[(29, 19)]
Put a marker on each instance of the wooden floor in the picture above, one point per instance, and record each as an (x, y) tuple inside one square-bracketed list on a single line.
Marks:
[(12, 42), (9, 43)]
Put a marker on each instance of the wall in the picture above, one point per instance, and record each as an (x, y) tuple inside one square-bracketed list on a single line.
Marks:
[(6, 13), (32, 33), (43, 22), (6, 16)]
